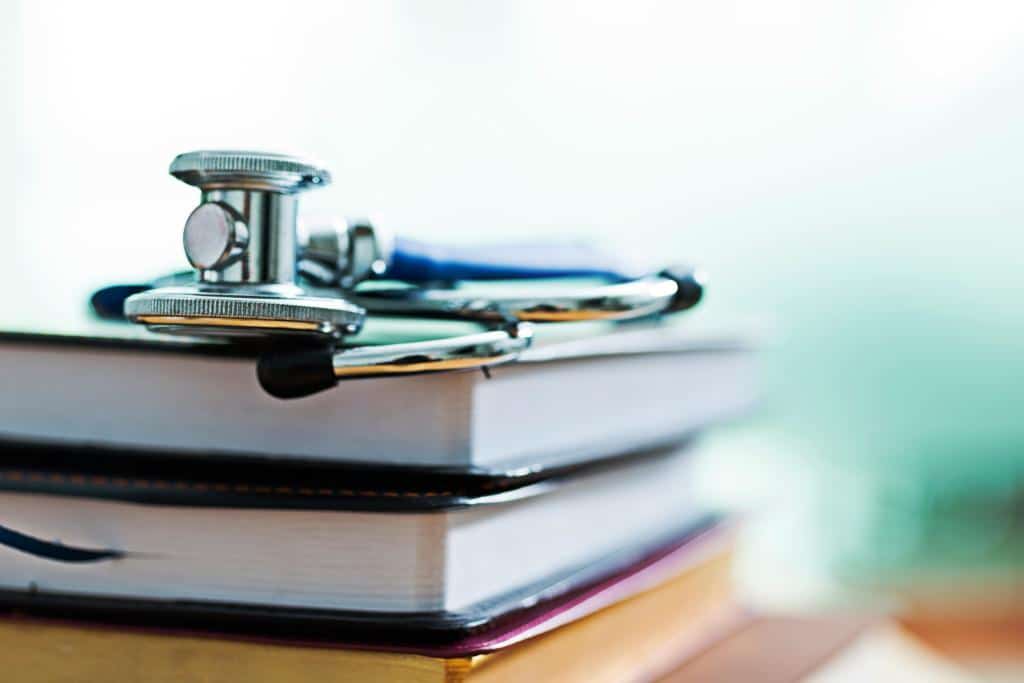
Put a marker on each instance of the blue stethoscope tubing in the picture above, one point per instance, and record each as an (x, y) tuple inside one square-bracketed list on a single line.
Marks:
[(428, 274)]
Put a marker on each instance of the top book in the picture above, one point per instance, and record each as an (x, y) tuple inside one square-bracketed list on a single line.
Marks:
[(565, 401)]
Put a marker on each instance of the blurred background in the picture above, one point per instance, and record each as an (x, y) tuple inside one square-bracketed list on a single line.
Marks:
[(846, 172)]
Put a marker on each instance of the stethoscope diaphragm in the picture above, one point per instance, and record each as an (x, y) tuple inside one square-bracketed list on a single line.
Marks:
[(199, 309)]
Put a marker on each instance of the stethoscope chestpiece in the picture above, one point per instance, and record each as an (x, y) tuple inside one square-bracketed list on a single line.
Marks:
[(242, 241)]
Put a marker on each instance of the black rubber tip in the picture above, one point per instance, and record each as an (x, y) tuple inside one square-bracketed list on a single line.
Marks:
[(691, 287), (296, 373)]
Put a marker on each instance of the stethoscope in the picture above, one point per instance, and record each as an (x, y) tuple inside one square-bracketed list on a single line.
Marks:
[(256, 274)]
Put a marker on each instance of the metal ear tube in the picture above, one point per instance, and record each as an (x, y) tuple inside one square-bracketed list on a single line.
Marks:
[(297, 373), (255, 277)]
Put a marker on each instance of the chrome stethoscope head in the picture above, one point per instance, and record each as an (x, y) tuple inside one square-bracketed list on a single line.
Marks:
[(242, 240)]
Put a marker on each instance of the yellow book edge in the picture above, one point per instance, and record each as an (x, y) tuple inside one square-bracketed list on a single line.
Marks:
[(648, 632)]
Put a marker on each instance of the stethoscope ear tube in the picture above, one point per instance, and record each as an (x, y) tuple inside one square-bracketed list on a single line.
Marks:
[(294, 373), (602, 302), (672, 290)]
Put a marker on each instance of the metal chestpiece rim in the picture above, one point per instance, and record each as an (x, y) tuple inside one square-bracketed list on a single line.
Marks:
[(243, 170), (243, 313)]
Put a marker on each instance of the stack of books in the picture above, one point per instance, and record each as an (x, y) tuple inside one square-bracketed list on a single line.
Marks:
[(163, 519)]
